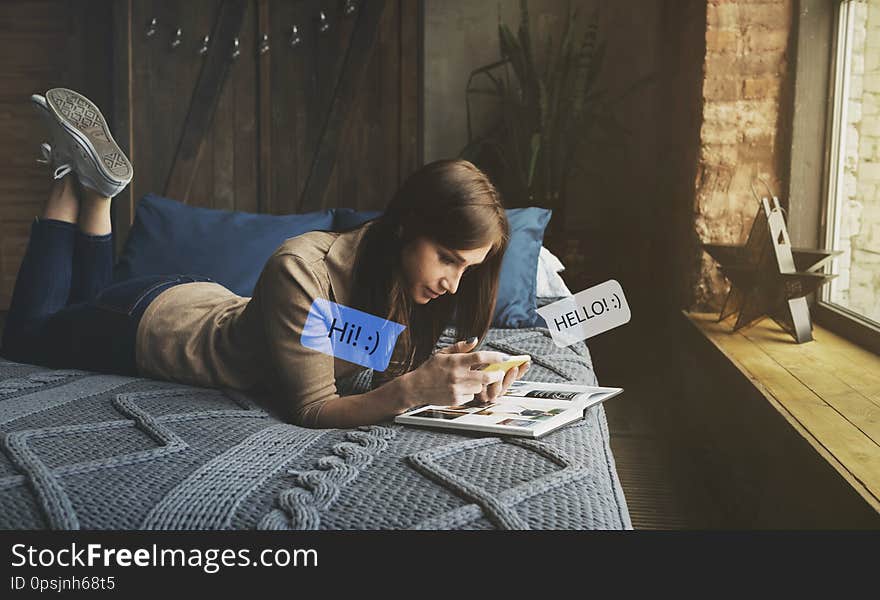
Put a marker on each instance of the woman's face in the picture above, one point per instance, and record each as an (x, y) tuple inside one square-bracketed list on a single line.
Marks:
[(432, 270)]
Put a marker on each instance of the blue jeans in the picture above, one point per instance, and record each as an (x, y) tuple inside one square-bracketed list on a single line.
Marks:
[(65, 313)]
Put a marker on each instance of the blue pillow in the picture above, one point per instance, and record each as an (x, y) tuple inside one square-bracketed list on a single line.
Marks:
[(347, 218), (230, 247), (516, 303)]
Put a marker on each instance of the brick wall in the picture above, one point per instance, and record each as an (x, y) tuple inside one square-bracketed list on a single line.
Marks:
[(746, 80), (859, 228)]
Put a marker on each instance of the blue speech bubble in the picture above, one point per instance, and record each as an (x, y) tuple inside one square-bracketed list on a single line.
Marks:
[(350, 334)]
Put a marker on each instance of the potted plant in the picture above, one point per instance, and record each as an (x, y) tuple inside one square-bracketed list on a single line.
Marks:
[(542, 113)]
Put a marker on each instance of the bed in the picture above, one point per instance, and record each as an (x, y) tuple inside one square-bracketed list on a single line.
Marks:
[(83, 450)]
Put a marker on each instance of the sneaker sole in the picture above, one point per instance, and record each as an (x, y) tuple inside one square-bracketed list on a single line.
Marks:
[(84, 120)]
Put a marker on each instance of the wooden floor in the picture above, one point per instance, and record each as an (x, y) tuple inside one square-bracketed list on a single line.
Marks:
[(664, 489)]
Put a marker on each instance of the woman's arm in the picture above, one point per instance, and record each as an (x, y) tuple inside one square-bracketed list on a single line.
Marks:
[(375, 406)]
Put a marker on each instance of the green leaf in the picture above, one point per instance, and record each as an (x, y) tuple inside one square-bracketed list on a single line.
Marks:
[(546, 109), (511, 50), (536, 147)]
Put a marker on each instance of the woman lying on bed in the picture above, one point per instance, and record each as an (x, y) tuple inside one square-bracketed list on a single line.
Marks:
[(431, 259)]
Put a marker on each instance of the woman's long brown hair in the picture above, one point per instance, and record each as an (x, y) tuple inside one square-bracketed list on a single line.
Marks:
[(454, 204)]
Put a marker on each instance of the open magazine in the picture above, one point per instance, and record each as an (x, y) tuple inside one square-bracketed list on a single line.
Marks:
[(529, 408)]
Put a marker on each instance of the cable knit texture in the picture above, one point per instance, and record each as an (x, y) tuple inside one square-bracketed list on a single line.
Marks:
[(83, 450)]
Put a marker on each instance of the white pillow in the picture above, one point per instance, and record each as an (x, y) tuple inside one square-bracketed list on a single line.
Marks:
[(549, 284), (550, 260)]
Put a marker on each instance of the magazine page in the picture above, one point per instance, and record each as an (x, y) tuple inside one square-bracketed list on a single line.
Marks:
[(512, 412), (535, 409), (564, 392)]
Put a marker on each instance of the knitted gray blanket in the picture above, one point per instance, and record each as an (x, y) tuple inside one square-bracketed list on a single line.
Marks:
[(83, 450)]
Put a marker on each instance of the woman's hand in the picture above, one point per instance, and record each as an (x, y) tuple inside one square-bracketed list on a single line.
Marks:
[(447, 378), (494, 390)]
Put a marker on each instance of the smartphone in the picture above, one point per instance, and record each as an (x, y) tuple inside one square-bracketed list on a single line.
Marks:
[(513, 361)]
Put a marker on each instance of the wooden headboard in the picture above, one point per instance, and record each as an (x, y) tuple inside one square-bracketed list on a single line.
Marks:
[(291, 122)]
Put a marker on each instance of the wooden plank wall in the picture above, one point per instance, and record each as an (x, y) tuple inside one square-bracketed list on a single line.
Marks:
[(43, 44), (163, 79), (378, 146), (379, 142)]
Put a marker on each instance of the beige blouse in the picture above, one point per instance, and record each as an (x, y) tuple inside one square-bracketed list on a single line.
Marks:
[(203, 334)]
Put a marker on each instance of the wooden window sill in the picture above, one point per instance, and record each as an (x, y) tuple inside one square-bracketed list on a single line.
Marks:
[(828, 390)]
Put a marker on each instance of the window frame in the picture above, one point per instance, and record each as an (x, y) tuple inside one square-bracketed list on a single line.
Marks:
[(820, 65)]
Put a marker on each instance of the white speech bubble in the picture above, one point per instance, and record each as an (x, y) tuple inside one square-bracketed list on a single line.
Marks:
[(587, 313)]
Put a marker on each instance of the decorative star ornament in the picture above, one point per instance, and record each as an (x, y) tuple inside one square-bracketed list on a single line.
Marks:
[(770, 278)]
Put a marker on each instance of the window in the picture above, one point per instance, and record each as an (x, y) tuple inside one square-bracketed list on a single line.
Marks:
[(852, 211)]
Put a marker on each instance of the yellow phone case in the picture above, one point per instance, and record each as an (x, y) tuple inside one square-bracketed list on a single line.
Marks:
[(514, 361)]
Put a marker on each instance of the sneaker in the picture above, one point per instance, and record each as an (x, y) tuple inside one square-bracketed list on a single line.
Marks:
[(51, 154), (81, 136), (59, 166)]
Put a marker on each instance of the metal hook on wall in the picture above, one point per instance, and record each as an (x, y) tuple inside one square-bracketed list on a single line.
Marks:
[(236, 50), (323, 25), (178, 38), (349, 7), (151, 27), (264, 44), (203, 49), (295, 39)]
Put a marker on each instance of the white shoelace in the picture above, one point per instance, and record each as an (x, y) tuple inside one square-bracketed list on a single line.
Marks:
[(48, 158)]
